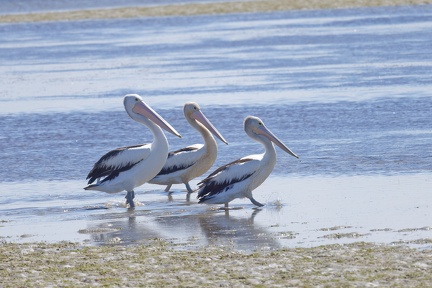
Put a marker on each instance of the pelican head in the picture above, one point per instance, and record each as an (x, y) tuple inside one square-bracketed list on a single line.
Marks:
[(137, 109), (192, 111), (255, 128)]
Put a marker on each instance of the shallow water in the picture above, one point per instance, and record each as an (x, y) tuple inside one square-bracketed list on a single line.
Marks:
[(298, 211), (347, 90)]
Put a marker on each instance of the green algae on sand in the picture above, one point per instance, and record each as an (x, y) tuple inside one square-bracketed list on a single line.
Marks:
[(158, 264)]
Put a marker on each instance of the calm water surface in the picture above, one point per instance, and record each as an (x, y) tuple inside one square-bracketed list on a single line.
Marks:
[(347, 90)]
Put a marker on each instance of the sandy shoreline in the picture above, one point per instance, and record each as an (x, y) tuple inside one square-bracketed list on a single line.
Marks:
[(201, 9), (158, 265)]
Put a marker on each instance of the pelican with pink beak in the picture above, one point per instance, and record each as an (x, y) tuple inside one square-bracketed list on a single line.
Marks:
[(126, 168), (190, 162), (239, 178)]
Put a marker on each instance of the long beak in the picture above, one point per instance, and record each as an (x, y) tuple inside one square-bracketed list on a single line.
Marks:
[(264, 131), (146, 111), (199, 116)]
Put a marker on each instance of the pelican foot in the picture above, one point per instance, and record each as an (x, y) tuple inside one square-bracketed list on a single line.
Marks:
[(255, 202), (229, 208), (189, 189), (129, 199)]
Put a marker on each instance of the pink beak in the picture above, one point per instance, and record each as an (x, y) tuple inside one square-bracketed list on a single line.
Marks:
[(199, 116), (264, 131), (146, 111)]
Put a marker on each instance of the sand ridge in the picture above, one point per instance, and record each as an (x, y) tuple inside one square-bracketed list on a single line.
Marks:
[(189, 9)]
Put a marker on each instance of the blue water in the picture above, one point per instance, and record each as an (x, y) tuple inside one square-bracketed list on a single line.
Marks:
[(347, 90), (383, 136)]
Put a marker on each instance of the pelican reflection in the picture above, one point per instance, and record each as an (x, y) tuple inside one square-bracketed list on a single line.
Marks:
[(189, 230)]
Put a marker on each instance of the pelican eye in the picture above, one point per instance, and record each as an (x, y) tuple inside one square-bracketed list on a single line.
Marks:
[(260, 124)]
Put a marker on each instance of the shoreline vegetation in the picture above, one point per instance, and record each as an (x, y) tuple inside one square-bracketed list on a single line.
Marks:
[(201, 9), (156, 264)]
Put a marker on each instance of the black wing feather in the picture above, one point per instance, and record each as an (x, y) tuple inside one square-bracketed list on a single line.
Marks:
[(174, 168), (186, 149), (114, 173), (100, 170), (171, 169), (210, 186)]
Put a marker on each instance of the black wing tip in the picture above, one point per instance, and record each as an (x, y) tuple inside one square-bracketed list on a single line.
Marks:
[(200, 201), (185, 149), (172, 169), (204, 198), (90, 174)]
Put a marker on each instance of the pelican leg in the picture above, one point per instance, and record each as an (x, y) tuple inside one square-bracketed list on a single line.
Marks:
[(189, 189), (255, 202), (129, 199), (225, 208), (168, 188)]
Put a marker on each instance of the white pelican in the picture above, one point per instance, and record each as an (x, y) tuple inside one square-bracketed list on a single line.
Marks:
[(239, 178), (128, 167), (192, 161)]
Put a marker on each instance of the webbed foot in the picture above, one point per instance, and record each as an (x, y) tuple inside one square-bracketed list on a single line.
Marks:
[(255, 202)]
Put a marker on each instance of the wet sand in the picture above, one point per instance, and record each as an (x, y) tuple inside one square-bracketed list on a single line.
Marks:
[(201, 9)]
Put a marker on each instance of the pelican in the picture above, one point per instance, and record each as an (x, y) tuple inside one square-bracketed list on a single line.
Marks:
[(192, 161), (128, 167), (239, 178)]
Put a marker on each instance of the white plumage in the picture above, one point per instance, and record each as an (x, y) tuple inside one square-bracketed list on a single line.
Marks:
[(239, 178), (192, 161), (128, 167)]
